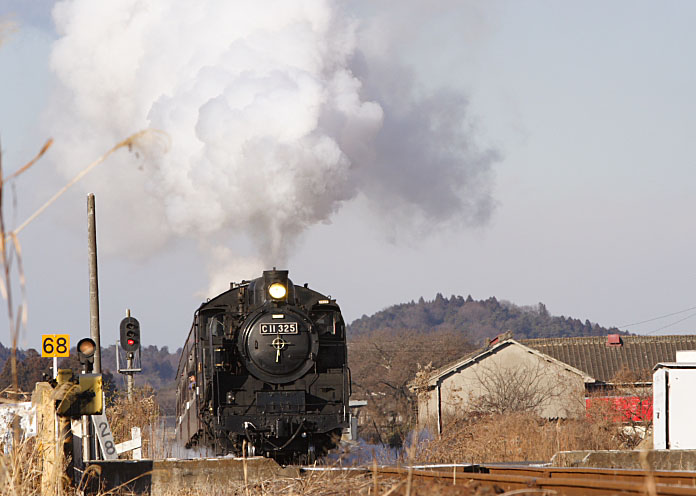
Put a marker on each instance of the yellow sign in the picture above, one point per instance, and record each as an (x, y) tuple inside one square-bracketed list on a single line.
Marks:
[(55, 345)]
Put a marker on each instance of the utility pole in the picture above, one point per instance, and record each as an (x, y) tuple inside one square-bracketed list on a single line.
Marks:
[(93, 282), (87, 450)]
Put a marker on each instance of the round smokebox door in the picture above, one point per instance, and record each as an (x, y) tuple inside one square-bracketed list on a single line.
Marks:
[(279, 346)]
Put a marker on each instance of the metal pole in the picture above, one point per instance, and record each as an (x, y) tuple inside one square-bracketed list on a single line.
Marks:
[(87, 448), (86, 439), (129, 377), (93, 282)]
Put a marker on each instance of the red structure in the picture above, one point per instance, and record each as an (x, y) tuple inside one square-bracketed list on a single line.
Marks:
[(623, 408)]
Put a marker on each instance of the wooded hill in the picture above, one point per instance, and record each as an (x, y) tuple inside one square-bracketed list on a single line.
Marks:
[(477, 320)]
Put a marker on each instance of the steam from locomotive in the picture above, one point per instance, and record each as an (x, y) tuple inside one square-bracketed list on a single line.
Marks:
[(265, 367), (278, 112)]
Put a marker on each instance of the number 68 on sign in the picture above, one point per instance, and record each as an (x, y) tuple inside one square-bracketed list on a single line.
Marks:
[(55, 345)]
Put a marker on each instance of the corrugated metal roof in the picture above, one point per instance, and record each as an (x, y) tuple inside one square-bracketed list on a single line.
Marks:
[(592, 355)]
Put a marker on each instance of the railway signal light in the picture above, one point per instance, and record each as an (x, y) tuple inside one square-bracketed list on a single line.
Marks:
[(85, 353), (130, 334)]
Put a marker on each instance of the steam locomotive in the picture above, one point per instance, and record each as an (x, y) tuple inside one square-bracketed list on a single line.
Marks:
[(264, 369)]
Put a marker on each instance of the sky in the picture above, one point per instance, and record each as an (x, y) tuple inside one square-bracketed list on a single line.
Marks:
[(534, 151)]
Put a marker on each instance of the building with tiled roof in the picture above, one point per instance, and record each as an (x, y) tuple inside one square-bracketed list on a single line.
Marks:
[(555, 373), (605, 357)]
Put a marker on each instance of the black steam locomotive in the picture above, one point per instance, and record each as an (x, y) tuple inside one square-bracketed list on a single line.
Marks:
[(264, 369)]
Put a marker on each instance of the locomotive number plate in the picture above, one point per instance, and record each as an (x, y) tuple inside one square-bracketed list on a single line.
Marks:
[(275, 328)]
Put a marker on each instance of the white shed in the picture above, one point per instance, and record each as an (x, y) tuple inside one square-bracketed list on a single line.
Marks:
[(674, 404)]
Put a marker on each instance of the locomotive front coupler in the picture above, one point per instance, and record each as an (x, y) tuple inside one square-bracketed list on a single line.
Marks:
[(278, 428)]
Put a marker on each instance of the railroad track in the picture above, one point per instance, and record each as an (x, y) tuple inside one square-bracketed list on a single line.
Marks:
[(549, 480), (678, 478)]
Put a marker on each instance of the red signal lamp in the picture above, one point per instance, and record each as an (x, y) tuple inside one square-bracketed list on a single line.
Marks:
[(130, 334)]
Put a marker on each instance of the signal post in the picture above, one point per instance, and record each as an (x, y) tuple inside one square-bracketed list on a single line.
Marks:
[(130, 343)]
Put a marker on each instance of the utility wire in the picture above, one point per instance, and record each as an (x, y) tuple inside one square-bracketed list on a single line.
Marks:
[(673, 323), (657, 318)]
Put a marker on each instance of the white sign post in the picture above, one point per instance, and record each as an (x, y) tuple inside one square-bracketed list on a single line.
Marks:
[(105, 436)]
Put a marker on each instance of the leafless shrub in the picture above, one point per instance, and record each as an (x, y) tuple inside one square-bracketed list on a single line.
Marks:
[(143, 411), (419, 384), (526, 388), (383, 364)]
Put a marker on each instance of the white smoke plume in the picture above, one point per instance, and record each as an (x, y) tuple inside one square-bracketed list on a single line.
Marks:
[(275, 116)]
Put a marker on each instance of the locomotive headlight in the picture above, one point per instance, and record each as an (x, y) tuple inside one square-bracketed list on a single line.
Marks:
[(277, 291)]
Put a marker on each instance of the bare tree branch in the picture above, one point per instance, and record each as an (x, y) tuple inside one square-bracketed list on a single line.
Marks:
[(517, 389)]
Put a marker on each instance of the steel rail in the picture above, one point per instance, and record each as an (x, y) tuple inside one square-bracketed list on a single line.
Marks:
[(560, 485), (680, 478)]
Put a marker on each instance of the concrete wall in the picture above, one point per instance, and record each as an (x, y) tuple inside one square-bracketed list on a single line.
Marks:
[(167, 477), (509, 369)]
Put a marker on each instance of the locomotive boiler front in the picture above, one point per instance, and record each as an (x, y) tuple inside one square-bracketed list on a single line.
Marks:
[(279, 344), (277, 340)]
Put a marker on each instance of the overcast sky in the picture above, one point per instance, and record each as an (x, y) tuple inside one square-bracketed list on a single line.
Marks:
[(568, 179)]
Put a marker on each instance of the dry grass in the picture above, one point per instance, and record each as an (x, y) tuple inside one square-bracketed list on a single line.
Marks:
[(20, 476), (143, 411), (522, 436), (20, 472), (511, 437), (332, 483)]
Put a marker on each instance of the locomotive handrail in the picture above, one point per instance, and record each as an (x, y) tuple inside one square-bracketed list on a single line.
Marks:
[(350, 381)]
